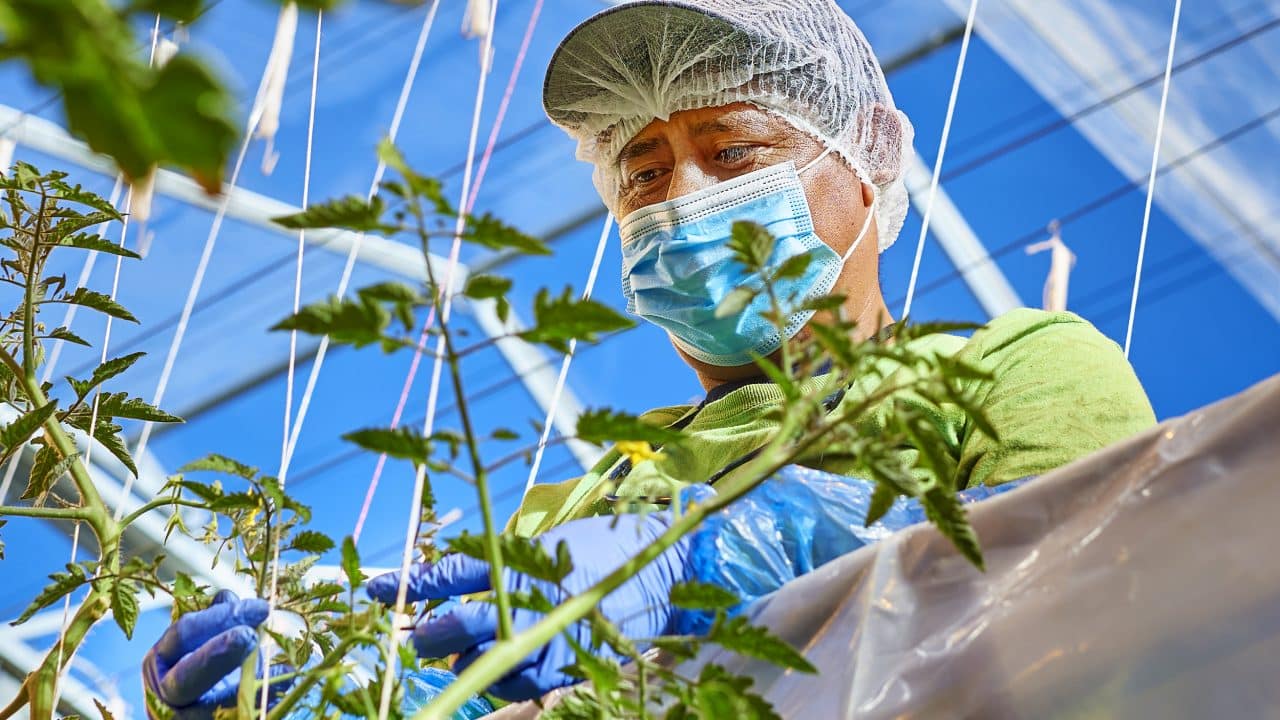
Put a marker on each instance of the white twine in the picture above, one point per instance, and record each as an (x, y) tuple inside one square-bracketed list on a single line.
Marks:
[(419, 480), (942, 150), (1151, 178), (293, 345), (568, 359)]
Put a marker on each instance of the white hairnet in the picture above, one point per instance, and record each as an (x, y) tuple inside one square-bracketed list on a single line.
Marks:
[(804, 60)]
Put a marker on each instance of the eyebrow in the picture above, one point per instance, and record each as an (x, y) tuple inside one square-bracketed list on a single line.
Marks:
[(639, 148)]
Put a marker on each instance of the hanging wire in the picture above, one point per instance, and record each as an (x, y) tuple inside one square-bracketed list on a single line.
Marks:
[(1100, 201), (468, 206), (415, 506), (293, 343), (255, 115), (354, 253), (552, 406), (942, 150), (1151, 180)]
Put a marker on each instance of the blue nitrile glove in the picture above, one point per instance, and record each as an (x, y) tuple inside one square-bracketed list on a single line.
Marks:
[(195, 666), (598, 545), (796, 521)]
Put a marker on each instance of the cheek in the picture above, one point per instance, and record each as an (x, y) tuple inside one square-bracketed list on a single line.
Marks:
[(838, 214)]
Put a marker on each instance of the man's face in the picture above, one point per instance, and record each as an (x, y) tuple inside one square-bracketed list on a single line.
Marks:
[(699, 148)]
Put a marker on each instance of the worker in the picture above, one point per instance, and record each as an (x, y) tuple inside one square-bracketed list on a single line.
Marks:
[(695, 114)]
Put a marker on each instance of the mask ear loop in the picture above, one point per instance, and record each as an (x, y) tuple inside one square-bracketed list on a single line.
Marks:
[(866, 225), (814, 161)]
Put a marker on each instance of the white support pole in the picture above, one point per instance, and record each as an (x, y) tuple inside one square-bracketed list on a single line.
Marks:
[(961, 244)]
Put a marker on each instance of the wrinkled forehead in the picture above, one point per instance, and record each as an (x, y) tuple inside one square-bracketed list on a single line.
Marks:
[(733, 121)]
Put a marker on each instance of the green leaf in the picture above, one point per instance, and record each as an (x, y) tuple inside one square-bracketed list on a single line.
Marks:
[(108, 435), (558, 320), (494, 234), (721, 694), (351, 563), (103, 711), (793, 267), (784, 382), (62, 333), (46, 468), (947, 513), (736, 301), (311, 541), (104, 372), (63, 583), (504, 434), (347, 213), (480, 287), (836, 342), (100, 302), (402, 442), (751, 245), (190, 113), (702, 596), (738, 635), (220, 464), (124, 606), (91, 241), (824, 303), (354, 322), (523, 555), (420, 185), (603, 425), (19, 431), (120, 405), (882, 498)]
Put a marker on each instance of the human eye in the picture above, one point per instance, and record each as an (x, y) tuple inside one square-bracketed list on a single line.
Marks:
[(644, 177), (735, 154)]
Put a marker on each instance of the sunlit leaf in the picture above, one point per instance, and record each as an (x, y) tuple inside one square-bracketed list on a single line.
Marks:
[(494, 234), (558, 320), (740, 636), (352, 212), (736, 301), (124, 606), (311, 541), (47, 467), (603, 425), (62, 333), (751, 245), (19, 431), (353, 322), (220, 464), (98, 301), (402, 442), (702, 596), (480, 287), (91, 241), (351, 562), (63, 583)]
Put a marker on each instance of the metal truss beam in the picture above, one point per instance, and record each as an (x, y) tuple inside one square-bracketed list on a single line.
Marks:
[(246, 206), (961, 244)]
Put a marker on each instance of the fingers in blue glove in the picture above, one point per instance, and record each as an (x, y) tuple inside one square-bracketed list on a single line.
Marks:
[(198, 672), (453, 575), (456, 631), (195, 629)]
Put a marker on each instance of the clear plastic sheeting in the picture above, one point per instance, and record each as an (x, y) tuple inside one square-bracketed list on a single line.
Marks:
[(1139, 582)]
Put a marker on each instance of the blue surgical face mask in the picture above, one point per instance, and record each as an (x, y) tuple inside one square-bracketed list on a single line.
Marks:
[(677, 267)]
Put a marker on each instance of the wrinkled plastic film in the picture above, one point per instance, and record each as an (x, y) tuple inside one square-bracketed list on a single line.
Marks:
[(1139, 582)]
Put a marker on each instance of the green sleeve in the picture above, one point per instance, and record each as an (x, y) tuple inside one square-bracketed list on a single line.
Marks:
[(1060, 390)]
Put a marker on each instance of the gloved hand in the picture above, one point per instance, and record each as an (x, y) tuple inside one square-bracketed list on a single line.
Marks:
[(598, 545), (195, 666)]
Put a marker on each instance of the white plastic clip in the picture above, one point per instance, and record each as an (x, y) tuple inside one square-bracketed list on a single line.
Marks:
[(1061, 260), (273, 81)]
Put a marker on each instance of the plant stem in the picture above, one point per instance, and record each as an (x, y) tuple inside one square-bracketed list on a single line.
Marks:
[(29, 304), (45, 678), (492, 665), (49, 513), (312, 676), (152, 505), (493, 548)]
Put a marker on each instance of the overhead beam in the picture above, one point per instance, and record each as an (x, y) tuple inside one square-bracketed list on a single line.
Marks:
[(244, 205), (967, 253)]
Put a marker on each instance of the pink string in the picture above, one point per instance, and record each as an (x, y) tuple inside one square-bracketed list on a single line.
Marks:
[(426, 327), (506, 101)]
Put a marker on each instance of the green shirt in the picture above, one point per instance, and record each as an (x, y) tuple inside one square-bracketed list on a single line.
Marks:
[(1059, 391)]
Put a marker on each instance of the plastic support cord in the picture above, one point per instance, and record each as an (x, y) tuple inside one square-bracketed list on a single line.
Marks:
[(56, 353), (419, 480), (293, 347), (942, 151), (1151, 179), (211, 241), (568, 359), (416, 361), (305, 404)]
